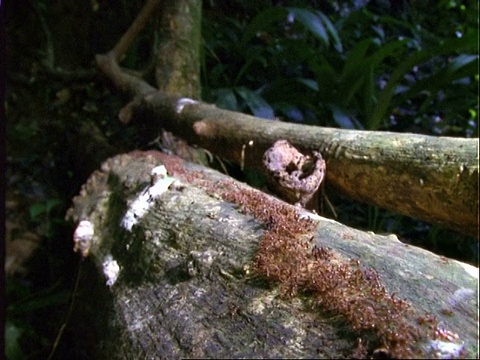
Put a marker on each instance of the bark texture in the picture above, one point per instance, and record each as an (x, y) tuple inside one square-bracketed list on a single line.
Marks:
[(178, 56), (434, 179), (181, 281)]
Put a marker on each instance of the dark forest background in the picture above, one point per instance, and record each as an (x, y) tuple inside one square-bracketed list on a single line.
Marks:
[(398, 65)]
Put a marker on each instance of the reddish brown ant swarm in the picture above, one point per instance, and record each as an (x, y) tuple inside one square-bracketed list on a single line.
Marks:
[(388, 325)]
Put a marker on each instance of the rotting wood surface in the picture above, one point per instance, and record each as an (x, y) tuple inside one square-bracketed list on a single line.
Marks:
[(185, 285)]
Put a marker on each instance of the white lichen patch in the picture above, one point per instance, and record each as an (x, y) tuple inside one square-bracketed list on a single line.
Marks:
[(137, 325), (200, 262), (159, 171), (461, 295), (470, 270), (140, 206), (260, 304), (82, 237), (460, 299), (182, 102), (298, 333), (111, 269), (446, 350), (307, 215)]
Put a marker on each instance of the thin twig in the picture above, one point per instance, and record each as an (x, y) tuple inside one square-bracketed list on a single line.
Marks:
[(68, 313), (131, 34)]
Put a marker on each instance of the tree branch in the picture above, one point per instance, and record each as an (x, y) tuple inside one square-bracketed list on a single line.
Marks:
[(137, 26), (434, 179), (430, 178)]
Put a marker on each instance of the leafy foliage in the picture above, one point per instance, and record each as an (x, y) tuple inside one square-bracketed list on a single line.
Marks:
[(363, 69)]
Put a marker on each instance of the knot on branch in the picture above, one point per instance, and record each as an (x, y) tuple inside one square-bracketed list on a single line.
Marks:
[(293, 176)]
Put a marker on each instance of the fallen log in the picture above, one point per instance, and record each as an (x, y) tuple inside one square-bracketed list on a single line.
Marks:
[(199, 265)]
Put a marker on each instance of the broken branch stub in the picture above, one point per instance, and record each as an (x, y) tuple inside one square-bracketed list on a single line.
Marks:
[(293, 176)]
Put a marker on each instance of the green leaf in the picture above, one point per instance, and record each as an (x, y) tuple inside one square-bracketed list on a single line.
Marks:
[(36, 210), (43, 208), (52, 203), (337, 43), (25, 133), (13, 349), (42, 300), (310, 83), (226, 99), (262, 22), (343, 119), (254, 54), (461, 67), (312, 22), (350, 88), (360, 68), (392, 49), (385, 97), (358, 59), (327, 80), (290, 111), (462, 61), (369, 91), (257, 105), (354, 61), (465, 44), (300, 91)]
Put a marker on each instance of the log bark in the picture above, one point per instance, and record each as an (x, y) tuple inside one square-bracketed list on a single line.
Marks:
[(182, 279)]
